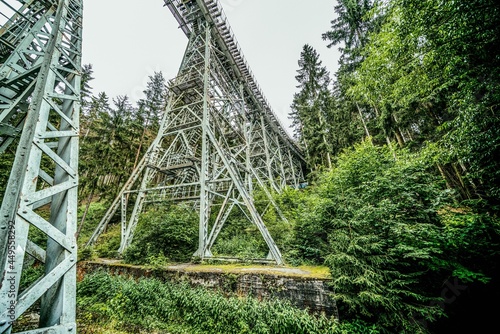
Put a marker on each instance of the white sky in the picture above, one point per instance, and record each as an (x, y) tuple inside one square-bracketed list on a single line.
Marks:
[(128, 40)]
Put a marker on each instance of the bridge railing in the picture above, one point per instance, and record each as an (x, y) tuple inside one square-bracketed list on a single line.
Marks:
[(213, 7)]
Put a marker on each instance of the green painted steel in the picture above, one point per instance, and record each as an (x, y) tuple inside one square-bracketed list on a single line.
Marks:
[(40, 77), (219, 139)]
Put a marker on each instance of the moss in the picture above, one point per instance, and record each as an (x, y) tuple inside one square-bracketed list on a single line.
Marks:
[(312, 272)]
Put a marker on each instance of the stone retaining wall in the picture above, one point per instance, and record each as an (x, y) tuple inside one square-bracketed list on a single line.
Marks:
[(305, 293)]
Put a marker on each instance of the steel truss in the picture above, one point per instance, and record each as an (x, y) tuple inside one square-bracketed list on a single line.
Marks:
[(218, 139), (40, 78)]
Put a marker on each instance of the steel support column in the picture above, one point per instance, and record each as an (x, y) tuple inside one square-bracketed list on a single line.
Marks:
[(212, 145), (41, 69), (205, 152)]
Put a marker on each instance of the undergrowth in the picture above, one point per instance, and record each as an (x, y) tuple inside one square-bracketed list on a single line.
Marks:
[(151, 306)]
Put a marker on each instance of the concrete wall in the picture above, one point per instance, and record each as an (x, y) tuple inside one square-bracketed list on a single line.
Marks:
[(305, 293)]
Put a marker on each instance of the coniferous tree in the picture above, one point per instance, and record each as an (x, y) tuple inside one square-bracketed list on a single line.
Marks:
[(107, 147), (433, 79), (427, 76), (150, 111), (93, 150), (310, 108), (86, 89), (345, 129), (93, 145), (155, 100), (350, 30)]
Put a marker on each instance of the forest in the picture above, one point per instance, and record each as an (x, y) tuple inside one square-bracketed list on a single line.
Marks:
[(402, 145)]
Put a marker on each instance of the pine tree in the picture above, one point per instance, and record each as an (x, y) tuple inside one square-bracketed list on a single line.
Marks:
[(351, 29), (86, 89), (155, 100), (93, 145)]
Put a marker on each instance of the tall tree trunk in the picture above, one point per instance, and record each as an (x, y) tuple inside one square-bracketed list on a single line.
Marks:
[(363, 120), (408, 133), (443, 175), (389, 143), (138, 154), (399, 138), (387, 139), (461, 181), (325, 142)]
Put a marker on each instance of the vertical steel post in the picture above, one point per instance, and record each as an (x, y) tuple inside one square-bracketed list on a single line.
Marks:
[(267, 149), (205, 161), (44, 174)]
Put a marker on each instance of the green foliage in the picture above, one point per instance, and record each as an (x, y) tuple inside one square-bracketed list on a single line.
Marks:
[(86, 254), (118, 131), (151, 107), (310, 109), (358, 327), (166, 234), (474, 138), (240, 238), (307, 243), (430, 74), (109, 243), (6, 161), (95, 212), (32, 271), (391, 234), (384, 236), (153, 305), (472, 240), (240, 246), (85, 88), (350, 29)]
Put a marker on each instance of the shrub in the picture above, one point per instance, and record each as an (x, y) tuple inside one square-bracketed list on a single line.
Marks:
[(169, 233), (385, 237)]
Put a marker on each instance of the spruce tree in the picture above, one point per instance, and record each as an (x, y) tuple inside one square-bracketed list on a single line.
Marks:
[(310, 109), (355, 21), (150, 111)]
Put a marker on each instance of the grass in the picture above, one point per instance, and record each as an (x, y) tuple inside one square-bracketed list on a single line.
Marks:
[(316, 272)]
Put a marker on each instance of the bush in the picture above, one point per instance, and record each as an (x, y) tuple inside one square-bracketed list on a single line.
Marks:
[(164, 234), (109, 242), (385, 237), (94, 215)]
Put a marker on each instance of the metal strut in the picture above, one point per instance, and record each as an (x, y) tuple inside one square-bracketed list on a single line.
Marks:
[(40, 78)]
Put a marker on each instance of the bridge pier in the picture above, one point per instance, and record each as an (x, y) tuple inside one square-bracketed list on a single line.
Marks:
[(219, 140)]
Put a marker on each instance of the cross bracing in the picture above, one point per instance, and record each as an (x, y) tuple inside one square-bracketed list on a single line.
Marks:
[(40, 77), (218, 140)]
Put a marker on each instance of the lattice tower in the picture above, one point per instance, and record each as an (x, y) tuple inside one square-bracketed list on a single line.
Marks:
[(40, 78), (219, 140)]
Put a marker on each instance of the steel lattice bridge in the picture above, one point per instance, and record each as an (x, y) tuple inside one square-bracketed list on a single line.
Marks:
[(219, 142)]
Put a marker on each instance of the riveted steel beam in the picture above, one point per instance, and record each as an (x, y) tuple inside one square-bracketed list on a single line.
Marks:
[(40, 78)]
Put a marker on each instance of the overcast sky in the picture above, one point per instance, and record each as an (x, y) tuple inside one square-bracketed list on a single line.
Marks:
[(126, 41)]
